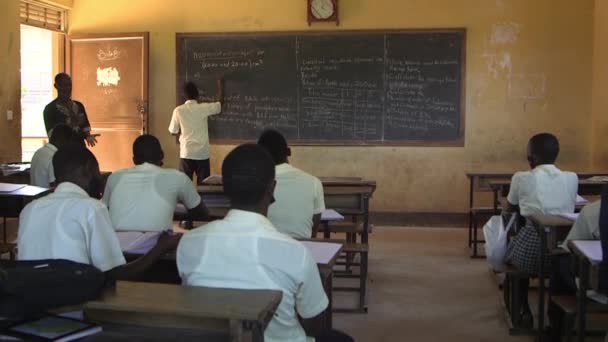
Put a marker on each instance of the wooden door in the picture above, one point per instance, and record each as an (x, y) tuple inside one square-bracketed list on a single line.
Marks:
[(110, 77)]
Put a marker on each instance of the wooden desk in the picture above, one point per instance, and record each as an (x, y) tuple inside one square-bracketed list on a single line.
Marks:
[(547, 225), (585, 188), (18, 173), (165, 271), (347, 195), (11, 203), (582, 250), (175, 306)]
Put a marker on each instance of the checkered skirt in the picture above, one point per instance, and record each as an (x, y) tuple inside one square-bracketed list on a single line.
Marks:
[(523, 251)]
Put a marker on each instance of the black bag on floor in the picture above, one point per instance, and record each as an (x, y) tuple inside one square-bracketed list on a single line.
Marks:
[(29, 288)]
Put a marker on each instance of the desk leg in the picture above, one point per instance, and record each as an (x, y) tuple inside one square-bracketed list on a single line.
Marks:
[(326, 231), (365, 234), (471, 182), (330, 296), (541, 284), (582, 298), (4, 228)]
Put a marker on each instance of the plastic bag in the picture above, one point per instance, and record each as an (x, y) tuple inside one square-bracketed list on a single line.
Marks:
[(496, 236)]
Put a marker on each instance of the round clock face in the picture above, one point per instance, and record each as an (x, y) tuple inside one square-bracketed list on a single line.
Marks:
[(322, 9)]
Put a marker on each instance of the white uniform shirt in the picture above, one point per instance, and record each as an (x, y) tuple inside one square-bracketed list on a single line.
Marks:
[(245, 251), (143, 198), (41, 172), (544, 190), (68, 224), (298, 196), (587, 225), (190, 119)]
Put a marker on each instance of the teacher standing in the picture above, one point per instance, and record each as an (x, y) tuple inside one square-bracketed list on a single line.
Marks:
[(64, 110)]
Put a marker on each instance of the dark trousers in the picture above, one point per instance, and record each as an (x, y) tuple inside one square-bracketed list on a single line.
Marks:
[(191, 166)]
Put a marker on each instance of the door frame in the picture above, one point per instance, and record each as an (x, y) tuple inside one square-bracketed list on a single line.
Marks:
[(144, 109)]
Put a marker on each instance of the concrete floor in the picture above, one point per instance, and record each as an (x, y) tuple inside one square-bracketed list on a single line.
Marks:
[(424, 287)]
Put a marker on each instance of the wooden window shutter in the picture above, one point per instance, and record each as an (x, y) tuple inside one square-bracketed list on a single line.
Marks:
[(43, 15)]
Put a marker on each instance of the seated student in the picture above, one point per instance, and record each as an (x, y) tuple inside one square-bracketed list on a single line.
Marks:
[(143, 198), (543, 190), (41, 172), (245, 251), (69, 224), (299, 196)]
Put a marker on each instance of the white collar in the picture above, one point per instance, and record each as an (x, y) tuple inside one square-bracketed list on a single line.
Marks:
[(147, 166), (283, 168), (547, 168), (191, 102), (242, 216), (51, 146), (70, 188)]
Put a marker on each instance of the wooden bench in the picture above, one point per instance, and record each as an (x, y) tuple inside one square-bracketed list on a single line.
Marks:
[(568, 306), (8, 248), (352, 249), (511, 302)]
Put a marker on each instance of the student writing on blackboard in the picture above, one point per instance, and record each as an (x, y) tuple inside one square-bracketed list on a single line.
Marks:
[(189, 126), (64, 110)]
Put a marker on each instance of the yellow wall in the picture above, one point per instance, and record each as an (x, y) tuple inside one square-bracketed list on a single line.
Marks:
[(10, 81), (600, 86), (528, 70)]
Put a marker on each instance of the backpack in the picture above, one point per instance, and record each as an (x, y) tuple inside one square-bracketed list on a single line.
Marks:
[(29, 288)]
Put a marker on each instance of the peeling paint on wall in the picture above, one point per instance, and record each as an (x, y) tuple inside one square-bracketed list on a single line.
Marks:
[(505, 33)]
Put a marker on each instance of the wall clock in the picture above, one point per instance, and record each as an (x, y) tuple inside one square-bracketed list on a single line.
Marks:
[(322, 11)]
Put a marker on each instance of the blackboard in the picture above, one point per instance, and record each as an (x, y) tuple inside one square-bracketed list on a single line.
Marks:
[(401, 87)]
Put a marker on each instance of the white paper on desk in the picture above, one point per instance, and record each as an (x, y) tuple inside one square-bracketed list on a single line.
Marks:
[(597, 297), (598, 179), (331, 215), (322, 252), (8, 187), (592, 249), (213, 180), (137, 242), (215, 201), (580, 200), (570, 216)]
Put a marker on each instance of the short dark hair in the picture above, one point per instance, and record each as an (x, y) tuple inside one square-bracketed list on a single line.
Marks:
[(71, 158), (247, 172), (191, 91), (274, 142), (62, 75), (545, 147), (147, 149), (62, 134)]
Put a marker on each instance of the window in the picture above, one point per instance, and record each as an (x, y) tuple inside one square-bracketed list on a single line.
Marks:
[(42, 15)]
